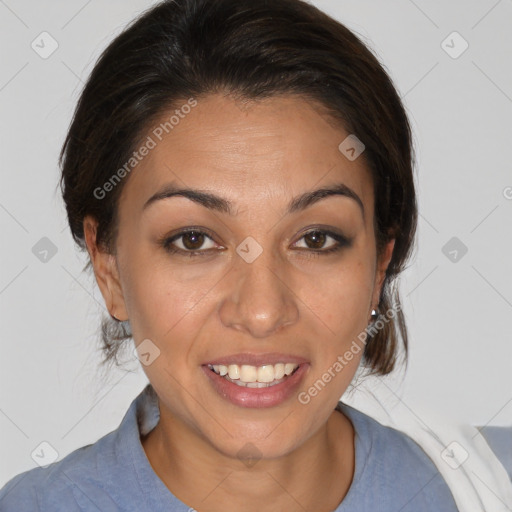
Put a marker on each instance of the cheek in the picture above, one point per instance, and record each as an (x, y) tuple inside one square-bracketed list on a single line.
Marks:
[(340, 302), (341, 298), (165, 300)]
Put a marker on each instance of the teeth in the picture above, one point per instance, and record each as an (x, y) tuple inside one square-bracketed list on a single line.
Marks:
[(234, 371), (238, 382), (279, 371), (289, 367), (220, 369), (248, 373), (266, 373), (254, 376)]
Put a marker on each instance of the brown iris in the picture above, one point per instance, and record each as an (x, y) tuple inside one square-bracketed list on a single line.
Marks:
[(317, 237), (193, 240)]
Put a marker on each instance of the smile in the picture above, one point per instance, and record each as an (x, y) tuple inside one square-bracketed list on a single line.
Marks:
[(266, 385), (250, 376)]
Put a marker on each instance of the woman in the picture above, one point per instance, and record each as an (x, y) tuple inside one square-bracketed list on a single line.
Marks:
[(241, 175)]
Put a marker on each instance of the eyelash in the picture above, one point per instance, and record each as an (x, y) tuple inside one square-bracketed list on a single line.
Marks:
[(342, 242)]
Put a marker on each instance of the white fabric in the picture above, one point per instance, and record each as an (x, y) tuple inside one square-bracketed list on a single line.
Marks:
[(477, 479)]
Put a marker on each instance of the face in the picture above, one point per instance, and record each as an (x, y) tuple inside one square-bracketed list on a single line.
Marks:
[(261, 279)]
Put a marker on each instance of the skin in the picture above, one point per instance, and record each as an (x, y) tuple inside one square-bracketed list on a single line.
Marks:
[(290, 299)]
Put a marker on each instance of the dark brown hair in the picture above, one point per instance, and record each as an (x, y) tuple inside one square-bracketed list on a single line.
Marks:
[(249, 49)]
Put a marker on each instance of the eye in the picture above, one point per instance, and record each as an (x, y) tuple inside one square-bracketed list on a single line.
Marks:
[(194, 242), (191, 241), (316, 240)]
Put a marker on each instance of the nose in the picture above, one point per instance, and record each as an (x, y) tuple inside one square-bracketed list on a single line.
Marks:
[(260, 301)]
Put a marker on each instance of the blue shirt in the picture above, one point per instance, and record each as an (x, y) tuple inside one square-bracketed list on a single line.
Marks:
[(392, 473)]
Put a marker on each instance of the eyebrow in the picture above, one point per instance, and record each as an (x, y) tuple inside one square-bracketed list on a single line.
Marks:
[(214, 202)]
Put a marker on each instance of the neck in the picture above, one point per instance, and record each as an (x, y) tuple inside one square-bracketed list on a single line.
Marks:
[(315, 476)]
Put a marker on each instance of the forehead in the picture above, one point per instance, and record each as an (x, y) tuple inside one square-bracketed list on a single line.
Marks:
[(252, 152)]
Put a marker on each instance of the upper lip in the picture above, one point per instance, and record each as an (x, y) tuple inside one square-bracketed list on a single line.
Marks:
[(257, 359)]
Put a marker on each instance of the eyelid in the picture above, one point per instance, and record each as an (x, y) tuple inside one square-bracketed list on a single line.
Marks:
[(341, 241), (176, 238), (331, 234), (328, 230), (167, 240)]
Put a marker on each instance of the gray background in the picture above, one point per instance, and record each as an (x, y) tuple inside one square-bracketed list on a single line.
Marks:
[(458, 312)]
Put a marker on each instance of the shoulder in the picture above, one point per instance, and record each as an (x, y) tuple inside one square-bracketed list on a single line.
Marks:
[(397, 468), (499, 440), (102, 476), (61, 486)]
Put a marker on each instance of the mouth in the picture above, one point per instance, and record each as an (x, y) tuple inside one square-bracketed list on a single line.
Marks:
[(255, 377), (262, 384)]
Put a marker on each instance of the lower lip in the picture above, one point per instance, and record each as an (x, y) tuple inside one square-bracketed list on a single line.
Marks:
[(257, 397)]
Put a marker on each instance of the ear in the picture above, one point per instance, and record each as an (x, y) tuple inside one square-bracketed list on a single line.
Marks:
[(105, 270), (380, 273)]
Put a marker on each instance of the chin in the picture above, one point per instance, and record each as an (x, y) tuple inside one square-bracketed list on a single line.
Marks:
[(249, 450)]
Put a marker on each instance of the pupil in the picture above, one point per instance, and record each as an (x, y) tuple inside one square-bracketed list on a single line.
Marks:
[(193, 235), (318, 237)]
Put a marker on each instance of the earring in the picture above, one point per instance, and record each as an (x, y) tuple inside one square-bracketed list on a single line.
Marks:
[(116, 319), (375, 314)]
